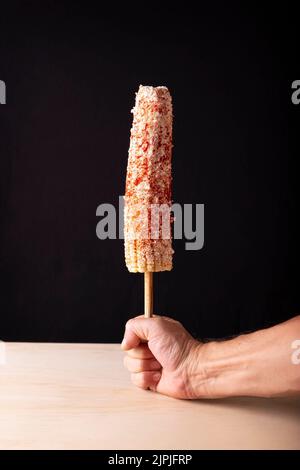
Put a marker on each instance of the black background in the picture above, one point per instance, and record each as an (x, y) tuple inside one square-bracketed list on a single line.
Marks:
[(71, 74)]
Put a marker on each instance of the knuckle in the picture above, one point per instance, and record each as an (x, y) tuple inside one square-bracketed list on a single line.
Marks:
[(160, 319), (160, 322), (139, 365), (129, 323), (135, 365), (177, 323)]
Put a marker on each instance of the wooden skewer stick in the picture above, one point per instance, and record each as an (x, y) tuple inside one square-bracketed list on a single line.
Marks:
[(148, 288)]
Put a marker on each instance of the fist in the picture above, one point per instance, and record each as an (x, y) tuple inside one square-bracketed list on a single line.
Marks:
[(161, 355)]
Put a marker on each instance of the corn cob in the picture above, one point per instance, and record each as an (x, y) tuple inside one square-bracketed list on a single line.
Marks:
[(148, 244)]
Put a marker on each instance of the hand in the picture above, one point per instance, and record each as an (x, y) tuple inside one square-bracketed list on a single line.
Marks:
[(258, 364), (161, 355)]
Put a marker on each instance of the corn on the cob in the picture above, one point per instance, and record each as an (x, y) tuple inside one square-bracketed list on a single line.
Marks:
[(148, 248)]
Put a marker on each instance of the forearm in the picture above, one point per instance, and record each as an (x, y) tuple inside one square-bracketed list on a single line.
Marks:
[(256, 364)]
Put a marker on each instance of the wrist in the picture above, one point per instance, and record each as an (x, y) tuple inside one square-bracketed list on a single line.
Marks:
[(197, 371), (221, 370)]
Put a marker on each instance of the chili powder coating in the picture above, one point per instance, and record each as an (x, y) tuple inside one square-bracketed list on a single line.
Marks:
[(147, 224)]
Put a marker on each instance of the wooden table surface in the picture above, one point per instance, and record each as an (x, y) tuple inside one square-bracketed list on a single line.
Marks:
[(75, 396)]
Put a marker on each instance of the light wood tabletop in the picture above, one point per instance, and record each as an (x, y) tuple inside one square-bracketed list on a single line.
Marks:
[(79, 396)]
